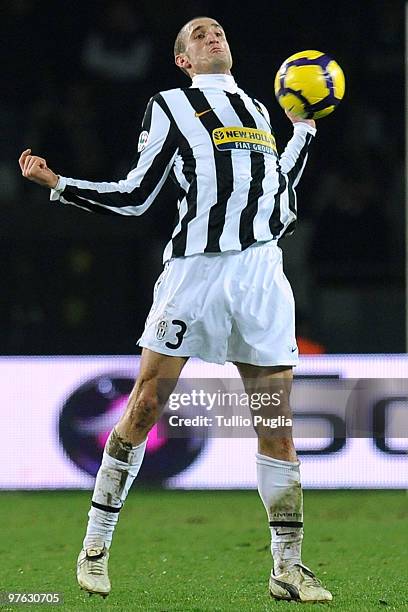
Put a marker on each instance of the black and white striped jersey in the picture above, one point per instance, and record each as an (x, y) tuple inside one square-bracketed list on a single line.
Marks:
[(217, 143)]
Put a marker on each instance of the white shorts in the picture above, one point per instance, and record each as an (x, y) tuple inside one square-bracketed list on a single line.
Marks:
[(233, 306)]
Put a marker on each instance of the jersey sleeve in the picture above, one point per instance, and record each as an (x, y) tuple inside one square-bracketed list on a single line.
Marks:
[(293, 159), (133, 195)]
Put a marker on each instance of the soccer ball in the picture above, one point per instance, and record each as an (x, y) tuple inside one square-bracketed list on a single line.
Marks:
[(309, 84)]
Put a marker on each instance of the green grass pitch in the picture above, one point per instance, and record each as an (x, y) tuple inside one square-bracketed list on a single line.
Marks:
[(206, 550)]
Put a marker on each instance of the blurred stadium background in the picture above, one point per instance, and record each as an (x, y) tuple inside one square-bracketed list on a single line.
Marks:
[(76, 79)]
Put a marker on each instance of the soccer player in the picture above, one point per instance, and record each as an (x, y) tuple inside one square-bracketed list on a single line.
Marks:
[(222, 295)]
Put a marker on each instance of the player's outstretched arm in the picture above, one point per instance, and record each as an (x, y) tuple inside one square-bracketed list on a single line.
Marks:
[(35, 169), (132, 195)]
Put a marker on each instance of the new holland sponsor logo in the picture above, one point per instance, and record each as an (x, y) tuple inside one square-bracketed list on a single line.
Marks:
[(241, 138)]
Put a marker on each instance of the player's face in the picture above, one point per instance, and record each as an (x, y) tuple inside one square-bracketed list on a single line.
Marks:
[(207, 50)]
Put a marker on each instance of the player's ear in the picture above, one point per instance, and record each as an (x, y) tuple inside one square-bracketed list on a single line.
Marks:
[(182, 61)]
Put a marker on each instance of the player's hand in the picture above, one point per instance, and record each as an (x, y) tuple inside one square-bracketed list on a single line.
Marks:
[(296, 119), (35, 169)]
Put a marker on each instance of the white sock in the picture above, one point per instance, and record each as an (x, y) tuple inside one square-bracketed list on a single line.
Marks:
[(112, 485), (281, 492)]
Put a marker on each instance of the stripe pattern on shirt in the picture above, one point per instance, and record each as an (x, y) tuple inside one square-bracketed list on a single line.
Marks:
[(233, 189)]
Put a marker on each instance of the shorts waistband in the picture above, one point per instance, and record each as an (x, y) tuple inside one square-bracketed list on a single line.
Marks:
[(268, 243)]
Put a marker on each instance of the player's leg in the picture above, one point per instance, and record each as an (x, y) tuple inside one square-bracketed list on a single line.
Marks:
[(277, 465), (279, 486), (122, 458)]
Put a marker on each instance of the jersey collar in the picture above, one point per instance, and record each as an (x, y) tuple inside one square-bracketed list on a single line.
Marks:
[(217, 81)]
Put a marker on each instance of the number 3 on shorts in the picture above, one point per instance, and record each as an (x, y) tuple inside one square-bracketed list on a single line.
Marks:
[(179, 334)]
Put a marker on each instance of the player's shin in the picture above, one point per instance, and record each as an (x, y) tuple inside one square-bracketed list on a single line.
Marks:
[(120, 465), (281, 492)]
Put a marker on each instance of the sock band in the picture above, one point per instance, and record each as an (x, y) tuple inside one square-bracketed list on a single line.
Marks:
[(105, 508), (285, 523)]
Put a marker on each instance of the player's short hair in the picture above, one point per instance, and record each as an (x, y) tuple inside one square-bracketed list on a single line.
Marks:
[(180, 42)]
